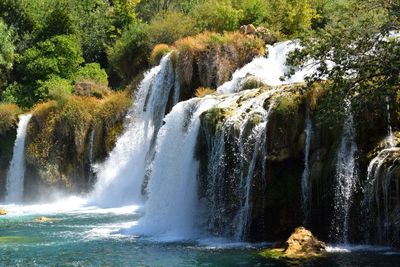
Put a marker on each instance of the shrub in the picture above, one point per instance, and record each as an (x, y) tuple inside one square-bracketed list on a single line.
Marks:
[(59, 56), (217, 15), (158, 52), (8, 116), (90, 88), (169, 26), (126, 55), (55, 88), (92, 71)]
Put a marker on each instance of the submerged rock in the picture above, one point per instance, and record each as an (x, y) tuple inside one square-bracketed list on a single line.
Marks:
[(3, 212), (45, 219), (301, 244)]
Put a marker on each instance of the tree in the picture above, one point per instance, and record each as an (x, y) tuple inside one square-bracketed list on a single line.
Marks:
[(7, 53), (366, 58), (60, 56)]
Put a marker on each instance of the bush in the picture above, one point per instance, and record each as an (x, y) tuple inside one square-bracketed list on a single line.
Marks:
[(8, 116), (93, 72), (126, 55), (215, 15), (59, 56), (158, 52), (91, 88), (167, 27), (55, 88)]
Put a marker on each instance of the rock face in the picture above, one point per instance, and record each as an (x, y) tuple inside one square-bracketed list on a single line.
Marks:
[(302, 243)]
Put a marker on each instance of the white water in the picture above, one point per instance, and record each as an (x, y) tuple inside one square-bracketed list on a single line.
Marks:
[(16, 172), (346, 178), (171, 210), (120, 178), (270, 70), (305, 178)]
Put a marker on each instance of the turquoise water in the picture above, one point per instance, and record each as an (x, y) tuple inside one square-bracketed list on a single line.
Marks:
[(90, 237)]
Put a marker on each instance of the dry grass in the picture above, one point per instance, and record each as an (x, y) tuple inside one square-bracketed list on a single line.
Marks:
[(215, 56), (8, 116), (203, 91), (158, 52)]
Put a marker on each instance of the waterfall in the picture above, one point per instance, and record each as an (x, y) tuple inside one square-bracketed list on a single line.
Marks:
[(305, 178), (16, 172), (270, 70), (379, 184), (390, 138), (228, 191), (170, 210), (346, 177), (120, 177)]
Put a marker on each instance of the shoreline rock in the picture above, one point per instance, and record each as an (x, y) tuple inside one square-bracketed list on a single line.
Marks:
[(3, 212)]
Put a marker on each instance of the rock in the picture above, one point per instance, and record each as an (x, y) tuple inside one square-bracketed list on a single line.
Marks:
[(3, 212), (45, 219), (248, 29), (266, 35), (301, 244)]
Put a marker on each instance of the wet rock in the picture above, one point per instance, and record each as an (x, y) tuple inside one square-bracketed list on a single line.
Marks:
[(301, 244)]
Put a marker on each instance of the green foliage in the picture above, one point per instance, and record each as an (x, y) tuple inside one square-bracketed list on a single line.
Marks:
[(126, 55), (7, 52), (93, 72), (217, 16), (170, 26), (366, 59), (61, 56), (55, 88)]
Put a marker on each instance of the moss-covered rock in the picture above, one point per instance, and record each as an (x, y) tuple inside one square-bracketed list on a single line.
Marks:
[(59, 140)]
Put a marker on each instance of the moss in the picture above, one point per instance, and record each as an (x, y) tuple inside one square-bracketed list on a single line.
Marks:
[(252, 83), (58, 138)]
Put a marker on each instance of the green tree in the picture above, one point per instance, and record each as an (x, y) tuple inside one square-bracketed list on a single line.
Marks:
[(7, 52), (366, 59), (126, 54), (93, 72), (60, 56)]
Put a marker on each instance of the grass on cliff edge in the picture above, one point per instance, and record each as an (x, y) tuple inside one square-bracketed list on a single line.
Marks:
[(8, 116)]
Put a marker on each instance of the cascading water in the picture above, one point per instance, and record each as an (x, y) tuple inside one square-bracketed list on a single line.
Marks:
[(305, 178), (16, 172), (270, 70), (346, 178), (381, 182), (172, 204), (120, 178), (228, 191)]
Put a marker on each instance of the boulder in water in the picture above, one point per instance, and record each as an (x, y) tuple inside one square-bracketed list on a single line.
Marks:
[(3, 212), (45, 219), (301, 244)]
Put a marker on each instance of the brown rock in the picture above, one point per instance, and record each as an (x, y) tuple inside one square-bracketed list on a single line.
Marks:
[(302, 243), (3, 212), (266, 35)]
